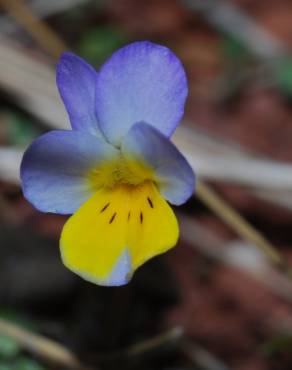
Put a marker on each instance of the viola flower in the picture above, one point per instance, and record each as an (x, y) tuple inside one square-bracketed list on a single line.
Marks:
[(116, 169)]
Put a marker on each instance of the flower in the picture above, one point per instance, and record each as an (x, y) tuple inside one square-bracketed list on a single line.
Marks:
[(116, 169)]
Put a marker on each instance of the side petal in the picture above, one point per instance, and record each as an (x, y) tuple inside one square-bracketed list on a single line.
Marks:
[(54, 169), (174, 177), (76, 81), (153, 228), (140, 82), (93, 241)]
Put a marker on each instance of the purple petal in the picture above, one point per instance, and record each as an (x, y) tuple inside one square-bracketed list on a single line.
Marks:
[(76, 81), (54, 168), (175, 178), (140, 82)]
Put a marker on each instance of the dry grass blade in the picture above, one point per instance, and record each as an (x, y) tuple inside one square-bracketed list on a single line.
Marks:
[(41, 346), (238, 223), (236, 254), (43, 34), (43, 9), (229, 18), (172, 335)]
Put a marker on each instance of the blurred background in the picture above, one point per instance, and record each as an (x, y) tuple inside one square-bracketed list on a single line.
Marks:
[(212, 303)]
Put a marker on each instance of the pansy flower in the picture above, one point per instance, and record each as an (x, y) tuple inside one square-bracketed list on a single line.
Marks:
[(116, 170)]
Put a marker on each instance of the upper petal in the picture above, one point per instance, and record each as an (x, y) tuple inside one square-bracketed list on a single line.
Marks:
[(76, 81), (174, 176), (140, 82), (54, 169)]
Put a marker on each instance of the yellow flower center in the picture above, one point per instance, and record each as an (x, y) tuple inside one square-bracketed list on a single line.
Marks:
[(123, 224), (120, 172)]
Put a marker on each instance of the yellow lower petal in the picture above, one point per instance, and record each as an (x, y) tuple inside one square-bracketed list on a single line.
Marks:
[(116, 231), (153, 227), (94, 238)]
